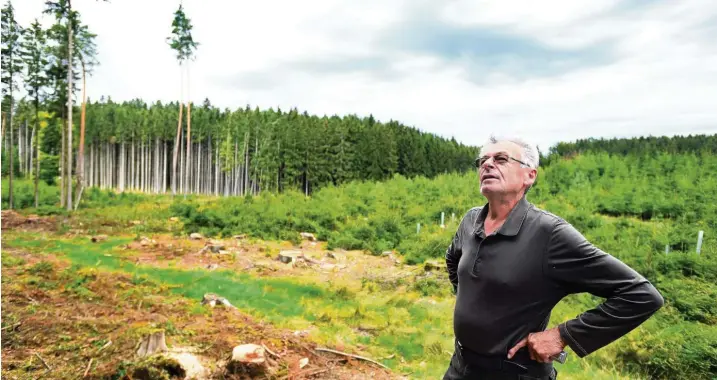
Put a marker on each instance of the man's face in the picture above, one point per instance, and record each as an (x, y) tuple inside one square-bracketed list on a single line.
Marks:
[(500, 176)]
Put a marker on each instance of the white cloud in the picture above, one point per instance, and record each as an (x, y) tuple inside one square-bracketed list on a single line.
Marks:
[(659, 75)]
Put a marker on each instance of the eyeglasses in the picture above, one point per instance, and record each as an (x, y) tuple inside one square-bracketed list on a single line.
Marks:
[(499, 159)]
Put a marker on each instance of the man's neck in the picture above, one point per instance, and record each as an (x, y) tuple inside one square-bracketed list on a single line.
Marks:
[(500, 207)]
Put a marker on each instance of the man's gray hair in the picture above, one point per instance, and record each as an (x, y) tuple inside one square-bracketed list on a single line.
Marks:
[(529, 153)]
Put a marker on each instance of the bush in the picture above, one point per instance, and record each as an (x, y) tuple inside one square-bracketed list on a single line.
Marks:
[(684, 350)]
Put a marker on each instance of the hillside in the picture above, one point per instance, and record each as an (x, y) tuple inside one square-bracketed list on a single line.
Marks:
[(631, 206)]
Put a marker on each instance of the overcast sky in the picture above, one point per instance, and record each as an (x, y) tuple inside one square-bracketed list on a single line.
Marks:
[(546, 70)]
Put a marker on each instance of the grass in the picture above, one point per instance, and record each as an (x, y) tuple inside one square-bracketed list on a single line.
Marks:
[(415, 328)]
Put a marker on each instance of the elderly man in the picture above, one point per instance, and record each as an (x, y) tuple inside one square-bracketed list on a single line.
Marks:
[(510, 263)]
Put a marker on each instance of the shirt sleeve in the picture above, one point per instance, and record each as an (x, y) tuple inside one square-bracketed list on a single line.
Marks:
[(453, 256), (578, 266)]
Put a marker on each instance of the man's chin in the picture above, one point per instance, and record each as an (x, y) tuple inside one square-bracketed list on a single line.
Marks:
[(487, 190)]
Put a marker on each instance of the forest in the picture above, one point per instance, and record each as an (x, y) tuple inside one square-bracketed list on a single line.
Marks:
[(179, 147)]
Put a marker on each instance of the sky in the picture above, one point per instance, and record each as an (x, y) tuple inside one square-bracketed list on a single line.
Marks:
[(546, 71)]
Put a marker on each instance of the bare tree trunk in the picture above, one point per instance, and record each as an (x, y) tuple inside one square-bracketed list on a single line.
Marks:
[(31, 153), (19, 149), (63, 165), (37, 161), (92, 164), (81, 153), (69, 111), (198, 168), (164, 168), (188, 159), (208, 187), (179, 129), (217, 164), (10, 167)]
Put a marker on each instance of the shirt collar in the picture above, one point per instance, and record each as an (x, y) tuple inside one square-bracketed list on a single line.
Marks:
[(512, 224)]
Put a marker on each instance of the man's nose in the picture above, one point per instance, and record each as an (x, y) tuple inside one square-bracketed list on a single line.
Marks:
[(490, 162)]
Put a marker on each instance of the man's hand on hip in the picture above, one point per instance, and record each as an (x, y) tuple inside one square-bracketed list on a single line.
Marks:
[(541, 346)]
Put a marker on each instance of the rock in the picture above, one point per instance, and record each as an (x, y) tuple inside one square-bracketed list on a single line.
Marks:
[(196, 236), (213, 300), (434, 265), (240, 237), (145, 241), (303, 362), (212, 266), (308, 236), (218, 243), (216, 248), (97, 238), (387, 253), (248, 359), (336, 256), (151, 344), (288, 257)]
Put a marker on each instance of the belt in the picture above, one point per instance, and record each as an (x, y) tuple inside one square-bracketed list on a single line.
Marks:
[(520, 364)]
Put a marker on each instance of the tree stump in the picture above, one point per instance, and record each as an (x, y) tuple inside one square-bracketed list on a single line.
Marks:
[(289, 257), (152, 344), (247, 359)]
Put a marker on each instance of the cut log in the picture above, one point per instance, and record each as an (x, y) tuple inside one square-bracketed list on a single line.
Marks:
[(97, 238), (308, 236), (216, 245), (196, 236), (248, 359), (336, 256), (151, 344), (434, 265), (288, 257)]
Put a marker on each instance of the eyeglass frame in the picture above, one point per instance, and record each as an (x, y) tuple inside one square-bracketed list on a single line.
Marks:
[(479, 165)]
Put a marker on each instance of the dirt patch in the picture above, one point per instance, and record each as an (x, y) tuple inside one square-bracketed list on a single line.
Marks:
[(16, 221), (261, 258), (67, 316)]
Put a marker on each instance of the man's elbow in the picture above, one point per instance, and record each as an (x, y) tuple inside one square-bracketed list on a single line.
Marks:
[(656, 301)]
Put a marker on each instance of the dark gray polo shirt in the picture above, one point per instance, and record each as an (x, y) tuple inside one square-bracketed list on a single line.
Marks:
[(507, 283)]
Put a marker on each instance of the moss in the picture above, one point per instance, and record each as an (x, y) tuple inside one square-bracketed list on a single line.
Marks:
[(158, 367)]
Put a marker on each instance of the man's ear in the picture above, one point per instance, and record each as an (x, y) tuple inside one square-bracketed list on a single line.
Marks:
[(531, 176)]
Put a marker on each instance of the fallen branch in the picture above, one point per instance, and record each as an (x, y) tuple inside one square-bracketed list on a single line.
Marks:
[(351, 356), (310, 260), (43, 361), (316, 372), (88, 368), (271, 352), (11, 327), (109, 342)]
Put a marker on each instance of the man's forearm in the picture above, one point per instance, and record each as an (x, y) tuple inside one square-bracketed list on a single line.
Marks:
[(611, 320)]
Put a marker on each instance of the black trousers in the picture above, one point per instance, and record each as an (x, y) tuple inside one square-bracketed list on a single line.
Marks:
[(461, 369)]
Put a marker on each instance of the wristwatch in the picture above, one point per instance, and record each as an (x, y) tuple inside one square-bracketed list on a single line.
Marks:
[(560, 358)]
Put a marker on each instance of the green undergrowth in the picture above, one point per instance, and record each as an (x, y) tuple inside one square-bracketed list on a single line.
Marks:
[(415, 329)]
